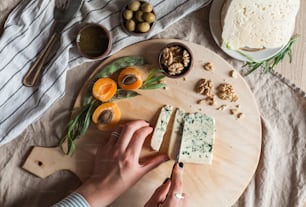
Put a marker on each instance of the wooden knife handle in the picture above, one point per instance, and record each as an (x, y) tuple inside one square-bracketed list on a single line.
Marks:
[(33, 76)]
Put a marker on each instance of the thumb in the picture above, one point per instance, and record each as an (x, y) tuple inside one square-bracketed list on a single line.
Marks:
[(159, 195)]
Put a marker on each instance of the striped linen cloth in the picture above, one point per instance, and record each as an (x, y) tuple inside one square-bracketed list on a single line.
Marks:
[(72, 200), (26, 31)]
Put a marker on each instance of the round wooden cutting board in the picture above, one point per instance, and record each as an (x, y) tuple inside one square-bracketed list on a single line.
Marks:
[(237, 145)]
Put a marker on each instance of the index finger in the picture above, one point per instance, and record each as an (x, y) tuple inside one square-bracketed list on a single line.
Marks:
[(128, 130)]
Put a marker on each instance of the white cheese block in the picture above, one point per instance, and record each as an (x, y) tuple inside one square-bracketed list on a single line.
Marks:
[(258, 23), (161, 127), (197, 139), (176, 134)]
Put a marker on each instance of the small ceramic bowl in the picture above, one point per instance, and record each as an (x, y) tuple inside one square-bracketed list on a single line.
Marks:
[(176, 60), (93, 41), (138, 18)]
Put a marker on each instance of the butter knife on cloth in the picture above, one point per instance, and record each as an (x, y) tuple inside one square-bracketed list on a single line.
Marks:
[(64, 11)]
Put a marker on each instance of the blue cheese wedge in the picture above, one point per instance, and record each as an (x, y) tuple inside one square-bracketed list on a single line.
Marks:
[(197, 139), (176, 133), (161, 127)]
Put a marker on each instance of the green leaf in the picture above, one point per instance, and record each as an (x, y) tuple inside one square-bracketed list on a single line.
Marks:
[(78, 126), (87, 119), (290, 55), (153, 78), (119, 63), (71, 147), (154, 86), (121, 94)]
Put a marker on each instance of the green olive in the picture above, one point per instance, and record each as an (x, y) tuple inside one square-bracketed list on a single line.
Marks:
[(130, 25), (139, 16), (127, 14), (134, 6), (146, 7), (143, 27), (149, 17)]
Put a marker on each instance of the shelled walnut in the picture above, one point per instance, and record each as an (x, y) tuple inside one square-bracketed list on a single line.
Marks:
[(240, 115), (208, 66), (233, 74), (205, 87), (175, 68), (226, 92), (222, 107)]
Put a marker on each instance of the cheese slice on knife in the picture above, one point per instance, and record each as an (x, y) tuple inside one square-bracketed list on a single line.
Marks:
[(161, 127), (197, 139), (258, 23)]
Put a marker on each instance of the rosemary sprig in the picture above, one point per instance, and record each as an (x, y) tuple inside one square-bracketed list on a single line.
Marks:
[(269, 64), (78, 126)]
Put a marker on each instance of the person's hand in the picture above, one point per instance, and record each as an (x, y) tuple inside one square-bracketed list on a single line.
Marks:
[(170, 193), (117, 166)]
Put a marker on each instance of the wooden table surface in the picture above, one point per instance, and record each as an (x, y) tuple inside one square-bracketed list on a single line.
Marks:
[(294, 72)]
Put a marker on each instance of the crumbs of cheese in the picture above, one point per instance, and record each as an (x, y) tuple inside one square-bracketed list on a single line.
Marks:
[(197, 139), (258, 24), (161, 127), (176, 134)]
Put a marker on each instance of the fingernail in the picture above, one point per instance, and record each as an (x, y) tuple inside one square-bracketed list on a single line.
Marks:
[(181, 165), (166, 180), (148, 122)]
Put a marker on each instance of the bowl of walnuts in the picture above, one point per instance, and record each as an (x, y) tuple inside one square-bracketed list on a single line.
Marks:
[(138, 18), (175, 59)]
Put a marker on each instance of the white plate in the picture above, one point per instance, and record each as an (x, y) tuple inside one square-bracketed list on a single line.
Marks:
[(216, 31)]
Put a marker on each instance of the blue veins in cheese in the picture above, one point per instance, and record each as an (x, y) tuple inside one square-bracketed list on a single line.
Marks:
[(161, 126), (192, 136), (197, 139), (176, 134)]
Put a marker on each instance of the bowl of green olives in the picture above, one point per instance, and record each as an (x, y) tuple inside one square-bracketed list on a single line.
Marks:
[(138, 18)]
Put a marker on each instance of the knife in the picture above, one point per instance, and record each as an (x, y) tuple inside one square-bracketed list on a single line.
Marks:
[(64, 12)]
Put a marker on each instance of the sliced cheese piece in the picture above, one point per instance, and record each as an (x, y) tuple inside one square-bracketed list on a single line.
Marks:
[(161, 127), (258, 24), (197, 139), (176, 134)]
